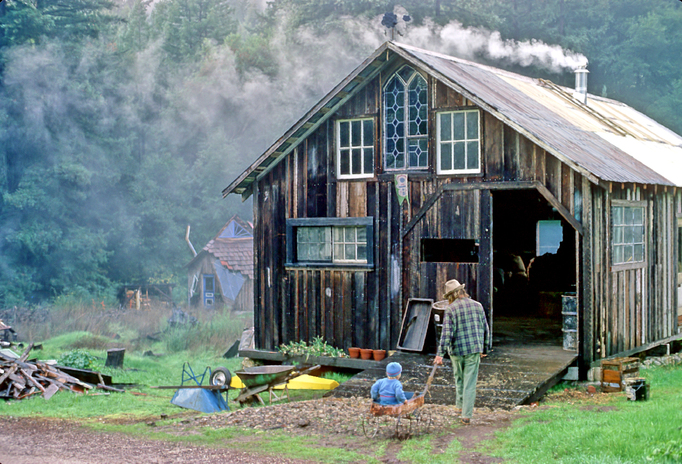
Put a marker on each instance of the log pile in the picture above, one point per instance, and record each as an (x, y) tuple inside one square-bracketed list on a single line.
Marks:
[(21, 379)]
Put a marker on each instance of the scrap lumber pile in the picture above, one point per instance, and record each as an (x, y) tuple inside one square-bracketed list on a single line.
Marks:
[(20, 379)]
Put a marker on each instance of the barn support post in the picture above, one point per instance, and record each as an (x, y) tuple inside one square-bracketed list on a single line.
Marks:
[(586, 292), (257, 271), (485, 256)]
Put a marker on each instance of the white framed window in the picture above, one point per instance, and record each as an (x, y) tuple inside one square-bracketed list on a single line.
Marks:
[(355, 148), (350, 244), (627, 233), (330, 242), (406, 130), (548, 237), (459, 143)]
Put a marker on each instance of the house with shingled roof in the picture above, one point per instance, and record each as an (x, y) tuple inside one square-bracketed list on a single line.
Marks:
[(221, 274)]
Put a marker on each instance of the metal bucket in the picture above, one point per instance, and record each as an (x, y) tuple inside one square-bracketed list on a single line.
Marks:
[(438, 313)]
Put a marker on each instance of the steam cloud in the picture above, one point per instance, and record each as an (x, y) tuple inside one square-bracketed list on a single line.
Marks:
[(457, 40), (470, 43)]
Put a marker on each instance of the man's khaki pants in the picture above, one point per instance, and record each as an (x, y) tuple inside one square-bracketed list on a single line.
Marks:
[(465, 372)]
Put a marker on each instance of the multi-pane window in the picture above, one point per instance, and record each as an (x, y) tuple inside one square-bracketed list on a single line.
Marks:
[(330, 241), (313, 244), (627, 226), (406, 120), (459, 147), (350, 244), (355, 148), (331, 244)]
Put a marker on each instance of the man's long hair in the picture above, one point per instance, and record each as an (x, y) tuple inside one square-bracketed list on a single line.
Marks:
[(458, 294)]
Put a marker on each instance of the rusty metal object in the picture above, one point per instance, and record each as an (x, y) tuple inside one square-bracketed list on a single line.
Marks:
[(262, 379), (263, 375)]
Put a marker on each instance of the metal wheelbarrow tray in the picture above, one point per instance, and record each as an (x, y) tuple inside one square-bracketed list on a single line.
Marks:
[(263, 375), (265, 378)]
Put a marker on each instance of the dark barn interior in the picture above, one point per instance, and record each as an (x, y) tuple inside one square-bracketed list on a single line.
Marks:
[(527, 284)]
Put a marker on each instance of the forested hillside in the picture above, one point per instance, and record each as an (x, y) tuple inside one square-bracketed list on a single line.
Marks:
[(122, 121)]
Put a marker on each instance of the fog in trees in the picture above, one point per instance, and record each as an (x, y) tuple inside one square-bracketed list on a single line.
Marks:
[(121, 122)]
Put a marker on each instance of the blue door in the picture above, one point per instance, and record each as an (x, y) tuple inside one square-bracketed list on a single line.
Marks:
[(209, 290)]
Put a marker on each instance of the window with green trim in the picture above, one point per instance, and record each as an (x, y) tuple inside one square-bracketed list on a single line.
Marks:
[(330, 241)]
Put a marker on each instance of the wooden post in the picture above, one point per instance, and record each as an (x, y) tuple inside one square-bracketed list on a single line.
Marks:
[(115, 358)]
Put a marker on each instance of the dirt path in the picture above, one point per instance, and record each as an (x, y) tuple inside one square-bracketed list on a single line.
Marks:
[(335, 422), (30, 441)]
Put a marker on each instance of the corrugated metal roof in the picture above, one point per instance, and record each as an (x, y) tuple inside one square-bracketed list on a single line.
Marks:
[(603, 139), (563, 126)]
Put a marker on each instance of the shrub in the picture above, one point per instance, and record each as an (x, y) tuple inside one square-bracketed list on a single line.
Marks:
[(78, 359), (317, 347)]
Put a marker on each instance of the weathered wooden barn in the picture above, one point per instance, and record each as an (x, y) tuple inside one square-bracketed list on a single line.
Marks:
[(419, 167), (221, 274)]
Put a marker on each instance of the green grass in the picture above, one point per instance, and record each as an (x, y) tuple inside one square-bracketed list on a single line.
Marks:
[(141, 371), (615, 431), (422, 450), (606, 429)]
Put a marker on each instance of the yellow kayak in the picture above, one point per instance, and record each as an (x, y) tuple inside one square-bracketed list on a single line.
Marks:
[(302, 382)]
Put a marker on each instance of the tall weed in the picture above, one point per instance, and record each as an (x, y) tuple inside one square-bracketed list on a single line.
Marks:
[(214, 330), (101, 327)]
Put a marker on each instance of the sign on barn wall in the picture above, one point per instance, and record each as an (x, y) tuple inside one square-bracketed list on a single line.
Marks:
[(401, 188)]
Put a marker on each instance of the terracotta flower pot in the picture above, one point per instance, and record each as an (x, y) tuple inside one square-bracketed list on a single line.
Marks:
[(354, 352), (366, 353), (379, 354)]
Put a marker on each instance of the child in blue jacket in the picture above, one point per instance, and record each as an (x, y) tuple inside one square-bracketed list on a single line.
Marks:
[(390, 390)]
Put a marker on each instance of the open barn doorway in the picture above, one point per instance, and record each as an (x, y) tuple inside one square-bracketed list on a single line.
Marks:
[(534, 267)]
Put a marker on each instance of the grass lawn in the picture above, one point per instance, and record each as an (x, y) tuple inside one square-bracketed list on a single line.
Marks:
[(600, 429), (606, 429)]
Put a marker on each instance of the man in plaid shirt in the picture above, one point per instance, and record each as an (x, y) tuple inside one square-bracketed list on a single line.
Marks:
[(464, 338)]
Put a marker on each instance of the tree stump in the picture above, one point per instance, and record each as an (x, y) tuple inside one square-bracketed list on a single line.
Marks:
[(115, 358)]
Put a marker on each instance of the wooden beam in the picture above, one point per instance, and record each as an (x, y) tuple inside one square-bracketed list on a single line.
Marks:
[(428, 204), (565, 213), (640, 349)]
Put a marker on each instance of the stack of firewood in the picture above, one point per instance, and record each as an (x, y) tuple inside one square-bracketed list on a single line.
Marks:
[(20, 379)]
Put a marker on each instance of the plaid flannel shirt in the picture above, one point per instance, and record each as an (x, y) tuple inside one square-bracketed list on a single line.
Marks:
[(465, 329)]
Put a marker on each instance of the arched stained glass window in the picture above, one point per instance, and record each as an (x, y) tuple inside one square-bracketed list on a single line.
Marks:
[(406, 120)]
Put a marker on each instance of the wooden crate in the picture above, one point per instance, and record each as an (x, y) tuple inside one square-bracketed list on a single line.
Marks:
[(615, 371)]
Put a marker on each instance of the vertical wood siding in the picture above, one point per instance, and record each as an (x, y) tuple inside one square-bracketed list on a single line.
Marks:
[(633, 307), (619, 309)]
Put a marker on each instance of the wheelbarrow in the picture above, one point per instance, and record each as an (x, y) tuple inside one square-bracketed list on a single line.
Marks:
[(262, 379), (203, 398), (406, 417)]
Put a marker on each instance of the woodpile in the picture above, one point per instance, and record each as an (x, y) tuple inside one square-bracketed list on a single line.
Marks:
[(21, 379)]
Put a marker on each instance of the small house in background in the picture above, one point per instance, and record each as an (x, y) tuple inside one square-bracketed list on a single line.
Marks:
[(221, 274)]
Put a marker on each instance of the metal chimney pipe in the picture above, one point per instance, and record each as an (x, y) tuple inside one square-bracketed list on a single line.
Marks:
[(580, 92)]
